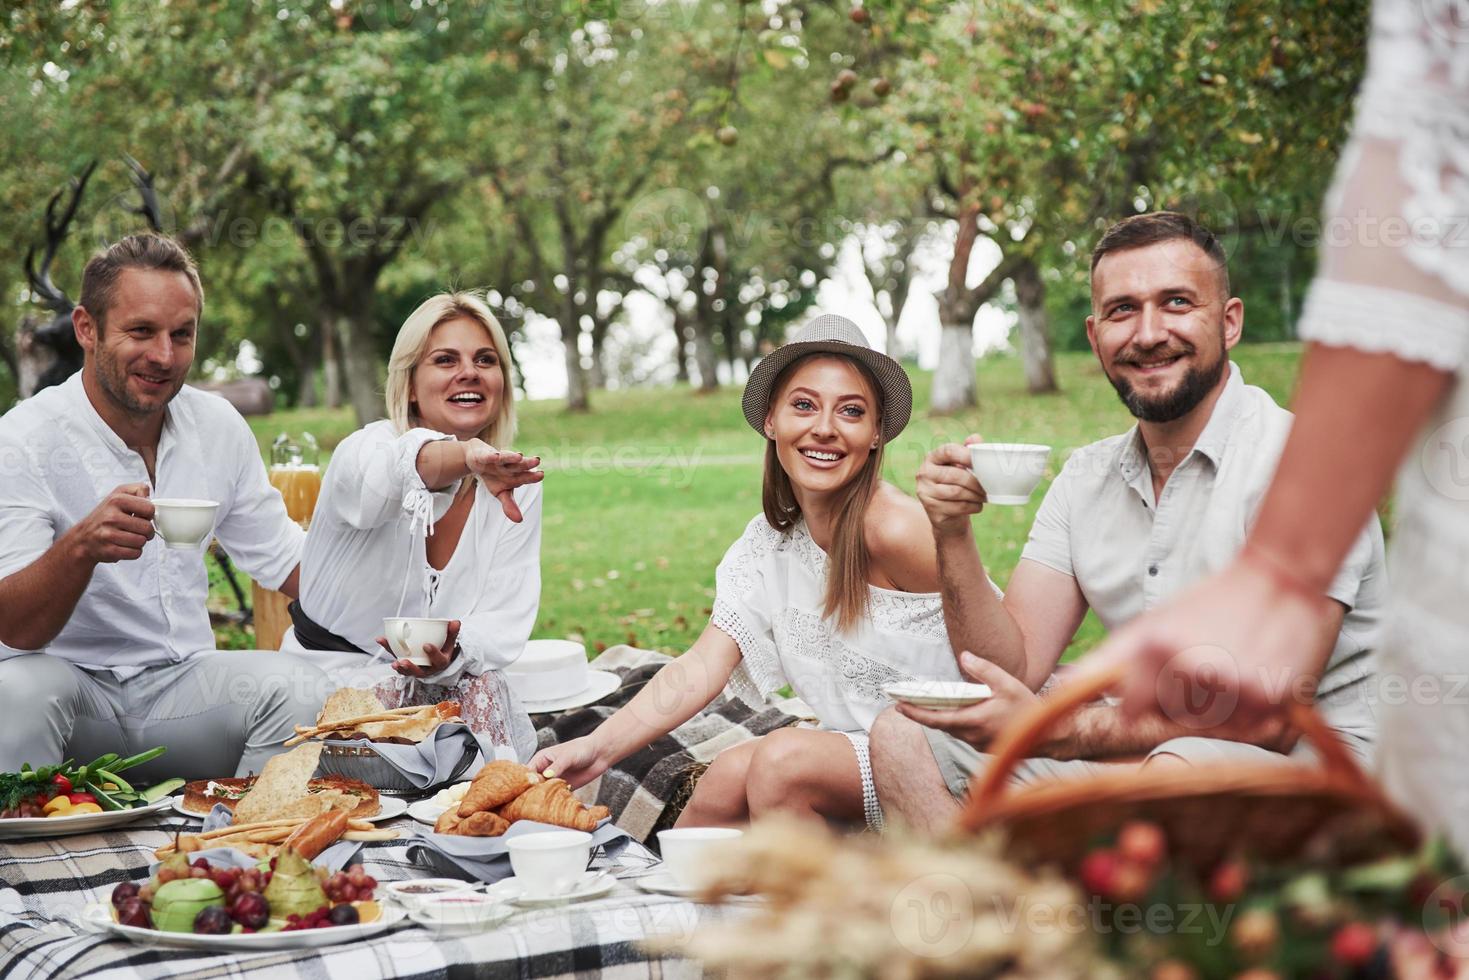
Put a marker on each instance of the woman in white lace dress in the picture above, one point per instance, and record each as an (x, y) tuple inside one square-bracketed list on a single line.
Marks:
[(832, 591), (419, 515), (1382, 386)]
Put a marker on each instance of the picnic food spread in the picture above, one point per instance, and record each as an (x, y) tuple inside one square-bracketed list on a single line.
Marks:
[(71, 790), (351, 714), (503, 792), (283, 895)]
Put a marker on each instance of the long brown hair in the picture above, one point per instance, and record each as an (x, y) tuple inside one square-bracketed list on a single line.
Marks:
[(846, 567)]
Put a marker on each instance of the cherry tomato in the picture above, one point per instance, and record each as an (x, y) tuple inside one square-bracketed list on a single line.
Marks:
[(62, 784), (75, 798)]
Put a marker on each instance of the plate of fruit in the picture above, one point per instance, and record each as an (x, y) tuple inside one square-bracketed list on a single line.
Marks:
[(286, 903), (72, 799)]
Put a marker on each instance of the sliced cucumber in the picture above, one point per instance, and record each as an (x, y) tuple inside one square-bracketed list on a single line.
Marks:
[(157, 792)]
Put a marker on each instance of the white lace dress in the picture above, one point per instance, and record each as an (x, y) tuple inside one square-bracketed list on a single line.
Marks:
[(1395, 279), (769, 595)]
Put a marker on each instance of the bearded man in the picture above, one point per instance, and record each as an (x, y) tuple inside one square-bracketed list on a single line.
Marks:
[(105, 640), (1128, 522)]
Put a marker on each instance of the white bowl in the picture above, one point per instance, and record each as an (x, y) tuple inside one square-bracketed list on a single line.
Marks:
[(415, 891), (466, 910), (1008, 471), (549, 862), (685, 849), (184, 523)]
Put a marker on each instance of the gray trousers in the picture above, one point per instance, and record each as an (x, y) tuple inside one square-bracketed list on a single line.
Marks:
[(220, 713)]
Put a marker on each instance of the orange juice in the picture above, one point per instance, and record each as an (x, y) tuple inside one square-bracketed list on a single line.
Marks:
[(300, 485)]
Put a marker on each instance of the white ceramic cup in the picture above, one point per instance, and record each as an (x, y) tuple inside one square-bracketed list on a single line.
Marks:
[(184, 523), (549, 863), (685, 850), (1008, 471), (407, 635)]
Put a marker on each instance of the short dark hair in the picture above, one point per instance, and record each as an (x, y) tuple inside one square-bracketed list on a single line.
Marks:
[(1155, 227), (144, 251)]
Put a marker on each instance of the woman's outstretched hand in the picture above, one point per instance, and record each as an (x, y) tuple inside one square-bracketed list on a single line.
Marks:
[(502, 472), (1232, 649), (578, 761)]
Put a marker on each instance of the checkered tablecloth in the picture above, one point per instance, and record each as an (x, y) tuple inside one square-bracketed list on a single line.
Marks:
[(45, 884)]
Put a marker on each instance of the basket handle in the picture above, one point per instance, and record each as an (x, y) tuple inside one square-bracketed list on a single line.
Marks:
[(1020, 737)]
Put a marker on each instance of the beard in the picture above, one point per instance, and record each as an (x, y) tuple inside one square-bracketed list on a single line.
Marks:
[(1185, 396), (113, 379)]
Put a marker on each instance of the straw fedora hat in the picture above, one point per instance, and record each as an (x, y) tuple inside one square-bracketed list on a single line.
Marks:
[(832, 334)]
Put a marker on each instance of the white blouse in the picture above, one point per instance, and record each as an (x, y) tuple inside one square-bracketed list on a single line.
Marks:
[(770, 590), (365, 559)]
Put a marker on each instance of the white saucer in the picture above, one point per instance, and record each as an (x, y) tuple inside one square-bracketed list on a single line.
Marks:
[(390, 807), (661, 882), (426, 811), (938, 694), (600, 683), (592, 885)]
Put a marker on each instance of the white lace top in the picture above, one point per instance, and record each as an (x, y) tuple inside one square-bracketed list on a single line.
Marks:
[(1395, 279), (770, 591)]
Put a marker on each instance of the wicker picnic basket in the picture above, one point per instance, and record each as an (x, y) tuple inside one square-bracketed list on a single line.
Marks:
[(1331, 812)]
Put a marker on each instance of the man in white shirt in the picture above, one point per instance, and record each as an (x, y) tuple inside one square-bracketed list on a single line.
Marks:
[(105, 641), (1128, 522)]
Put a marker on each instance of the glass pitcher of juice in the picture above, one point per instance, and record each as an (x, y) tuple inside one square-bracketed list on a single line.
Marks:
[(295, 473)]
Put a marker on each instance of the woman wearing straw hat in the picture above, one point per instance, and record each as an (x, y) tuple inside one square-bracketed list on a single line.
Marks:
[(832, 590)]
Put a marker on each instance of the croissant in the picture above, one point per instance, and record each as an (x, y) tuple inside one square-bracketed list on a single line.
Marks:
[(447, 822), (482, 824), (551, 802), (496, 784)]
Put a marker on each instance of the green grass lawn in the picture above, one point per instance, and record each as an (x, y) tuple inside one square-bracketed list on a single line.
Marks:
[(644, 495)]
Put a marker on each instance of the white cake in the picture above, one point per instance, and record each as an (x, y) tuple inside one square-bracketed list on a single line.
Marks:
[(549, 669)]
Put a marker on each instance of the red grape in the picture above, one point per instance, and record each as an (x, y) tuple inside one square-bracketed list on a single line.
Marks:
[(124, 890), (251, 910), (200, 863), (134, 912)]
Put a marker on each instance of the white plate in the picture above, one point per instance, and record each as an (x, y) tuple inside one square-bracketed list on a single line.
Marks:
[(593, 885), (661, 883), (600, 683), (391, 806), (938, 694), (426, 811), (81, 823), (98, 918)]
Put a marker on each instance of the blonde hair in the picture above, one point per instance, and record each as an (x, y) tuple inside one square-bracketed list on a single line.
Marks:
[(412, 344), (847, 595)]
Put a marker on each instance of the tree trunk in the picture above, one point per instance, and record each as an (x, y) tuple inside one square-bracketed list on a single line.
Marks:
[(597, 373), (680, 360), (361, 365), (1035, 329), (331, 366), (954, 387), (577, 394), (306, 386), (706, 358)]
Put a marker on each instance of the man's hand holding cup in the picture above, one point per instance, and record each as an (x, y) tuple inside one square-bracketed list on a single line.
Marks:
[(948, 489), (117, 528)]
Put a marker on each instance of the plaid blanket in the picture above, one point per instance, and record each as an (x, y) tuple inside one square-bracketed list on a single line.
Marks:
[(46, 884), (647, 789)]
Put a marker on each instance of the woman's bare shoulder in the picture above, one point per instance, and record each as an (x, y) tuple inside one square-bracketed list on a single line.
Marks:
[(900, 541)]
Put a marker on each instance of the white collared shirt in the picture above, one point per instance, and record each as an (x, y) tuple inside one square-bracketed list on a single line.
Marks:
[(1100, 523), (59, 459)]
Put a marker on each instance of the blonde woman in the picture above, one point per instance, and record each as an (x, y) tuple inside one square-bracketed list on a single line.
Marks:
[(421, 515), (832, 591)]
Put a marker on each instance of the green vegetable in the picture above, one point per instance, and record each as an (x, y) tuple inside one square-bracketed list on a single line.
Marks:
[(30, 783), (104, 776), (155, 793)]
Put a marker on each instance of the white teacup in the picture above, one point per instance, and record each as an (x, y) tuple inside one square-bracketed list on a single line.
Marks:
[(407, 635), (184, 523), (551, 862), (686, 848), (1008, 471)]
